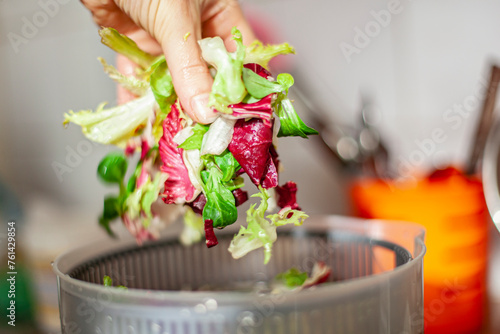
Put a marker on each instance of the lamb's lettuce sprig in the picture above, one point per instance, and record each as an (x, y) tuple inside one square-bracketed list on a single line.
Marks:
[(112, 170), (290, 122), (221, 205)]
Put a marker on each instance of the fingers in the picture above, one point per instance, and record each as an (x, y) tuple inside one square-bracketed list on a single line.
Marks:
[(177, 25), (179, 30), (221, 17), (107, 14)]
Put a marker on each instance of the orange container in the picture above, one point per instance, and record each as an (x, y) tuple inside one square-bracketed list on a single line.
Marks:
[(452, 209)]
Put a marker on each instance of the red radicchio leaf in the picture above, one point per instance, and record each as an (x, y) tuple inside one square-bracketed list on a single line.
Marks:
[(261, 109), (240, 196), (198, 204), (270, 175), (144, 148), (258, 69), (271, 178), (287, 195), (129, 149), (321, 273), (250, 147), (211, 239), (178, 187)]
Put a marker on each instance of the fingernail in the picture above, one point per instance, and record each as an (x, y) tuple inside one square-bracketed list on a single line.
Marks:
[(203, 114)]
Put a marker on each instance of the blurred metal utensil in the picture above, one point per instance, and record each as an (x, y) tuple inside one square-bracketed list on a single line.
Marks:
[(490, 173), (485, 121), (357, 148), (375, 155)]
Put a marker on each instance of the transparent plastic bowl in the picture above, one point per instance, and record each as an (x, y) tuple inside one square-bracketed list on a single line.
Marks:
[(375, 285)]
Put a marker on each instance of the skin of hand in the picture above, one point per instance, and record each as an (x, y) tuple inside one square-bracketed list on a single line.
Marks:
[(161, 26)]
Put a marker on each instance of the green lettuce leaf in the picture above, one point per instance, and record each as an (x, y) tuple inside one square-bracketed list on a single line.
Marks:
[(292, 278), (132, 84), (221, 205), (290, 122), (227, 164), (115, 125), (109, 213), (260, 54), (162, 86), (125, 46), (259, 87), (258, 233), (193, 230), (228, 87), (194, 141), (112, 168), (108, 282), (261, 232), (138, 203), (288, 216)]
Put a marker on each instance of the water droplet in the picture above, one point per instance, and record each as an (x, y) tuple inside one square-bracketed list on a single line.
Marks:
[(200, 308), (246, 318), (98, 330), (211, 304), (156, 328)]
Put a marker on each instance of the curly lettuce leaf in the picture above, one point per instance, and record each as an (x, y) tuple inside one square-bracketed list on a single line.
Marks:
[(262, 54), (288, 216), (228, 87), (115, 125), (261, 232), (125, 46), (132, 84), (258, 233)]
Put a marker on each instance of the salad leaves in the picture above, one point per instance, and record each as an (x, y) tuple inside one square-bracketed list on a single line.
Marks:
[(198, 166), (296, 280), (100, 126), (228, 87), (261, 54), (261, 232), (125, 46)]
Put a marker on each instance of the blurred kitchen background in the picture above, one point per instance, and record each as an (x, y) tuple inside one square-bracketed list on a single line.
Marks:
[(423, 64)]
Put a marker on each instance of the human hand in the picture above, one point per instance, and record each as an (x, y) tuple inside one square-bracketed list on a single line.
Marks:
[(161, 26)]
